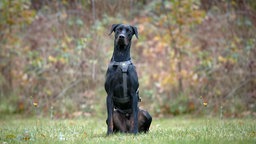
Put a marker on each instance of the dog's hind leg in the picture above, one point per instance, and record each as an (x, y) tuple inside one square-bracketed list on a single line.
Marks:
[(144, 121)]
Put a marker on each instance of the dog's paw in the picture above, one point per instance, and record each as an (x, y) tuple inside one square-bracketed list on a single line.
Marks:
[(135, 131), (109, 132)]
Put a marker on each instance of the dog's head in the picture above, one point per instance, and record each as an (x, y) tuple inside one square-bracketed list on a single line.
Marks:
[(123, 33)]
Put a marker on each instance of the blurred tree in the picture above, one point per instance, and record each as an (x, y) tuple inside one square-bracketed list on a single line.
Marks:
[(191, 55), (14, 16)]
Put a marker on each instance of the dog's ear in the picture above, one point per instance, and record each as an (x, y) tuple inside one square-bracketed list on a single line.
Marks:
[(113, 28), (135, 31)]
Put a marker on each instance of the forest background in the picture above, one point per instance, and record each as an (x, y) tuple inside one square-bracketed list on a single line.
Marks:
[(192, 56)]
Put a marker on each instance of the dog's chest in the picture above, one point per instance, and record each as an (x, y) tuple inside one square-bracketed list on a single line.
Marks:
[(118, 70), (117, 76)]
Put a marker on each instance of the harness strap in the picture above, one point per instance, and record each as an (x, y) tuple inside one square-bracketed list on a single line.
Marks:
[(124, 67), (121, 100), (125, 85)]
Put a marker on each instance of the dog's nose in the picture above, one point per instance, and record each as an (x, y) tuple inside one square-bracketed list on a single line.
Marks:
[(121, 36)]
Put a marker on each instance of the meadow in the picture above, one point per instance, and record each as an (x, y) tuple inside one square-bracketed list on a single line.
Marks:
[(93, 130), (196, 63)]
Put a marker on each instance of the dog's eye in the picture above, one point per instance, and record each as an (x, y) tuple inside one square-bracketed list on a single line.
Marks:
[(128, 30), (120, 29)]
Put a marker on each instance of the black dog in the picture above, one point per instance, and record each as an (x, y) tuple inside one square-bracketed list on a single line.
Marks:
[(122, 86)]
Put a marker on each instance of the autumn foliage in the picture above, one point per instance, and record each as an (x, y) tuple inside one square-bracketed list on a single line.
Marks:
[(192, 56)]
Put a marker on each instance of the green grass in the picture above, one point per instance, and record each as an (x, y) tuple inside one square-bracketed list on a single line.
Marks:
[(92, 130)]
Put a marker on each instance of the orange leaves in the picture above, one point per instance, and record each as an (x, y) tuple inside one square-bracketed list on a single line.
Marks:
[(28, 15), (52, 59), (155, 48), (35, 104), (204, 101), (55, 60), (186, 13), (16, 13), (26, 137), (169, 80), (174, 44), (227, 60), (198, 16)]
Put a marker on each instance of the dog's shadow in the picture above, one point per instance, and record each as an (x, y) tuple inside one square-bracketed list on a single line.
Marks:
[(114, 135)]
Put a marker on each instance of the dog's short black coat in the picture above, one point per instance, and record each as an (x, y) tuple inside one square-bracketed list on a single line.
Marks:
[(122, 86)]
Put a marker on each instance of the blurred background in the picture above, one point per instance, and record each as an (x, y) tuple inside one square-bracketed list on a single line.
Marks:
[(195, 57)]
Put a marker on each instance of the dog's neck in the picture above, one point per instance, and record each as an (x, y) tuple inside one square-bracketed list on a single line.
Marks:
[(121, 53)]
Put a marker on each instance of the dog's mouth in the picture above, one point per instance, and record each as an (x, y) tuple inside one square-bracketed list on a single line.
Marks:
[(121, 40)]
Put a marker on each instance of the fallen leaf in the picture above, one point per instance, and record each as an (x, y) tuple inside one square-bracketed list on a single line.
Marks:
[(42, 135), (10, 136), (35, 104), (26, 138)]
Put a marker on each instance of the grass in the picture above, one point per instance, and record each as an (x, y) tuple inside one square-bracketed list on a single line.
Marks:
[(92, 130)]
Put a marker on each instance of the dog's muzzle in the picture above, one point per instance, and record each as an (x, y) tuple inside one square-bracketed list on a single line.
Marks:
[(121, 40)]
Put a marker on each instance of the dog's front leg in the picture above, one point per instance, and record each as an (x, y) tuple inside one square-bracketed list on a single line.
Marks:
[(110, 110), (135, 113)]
